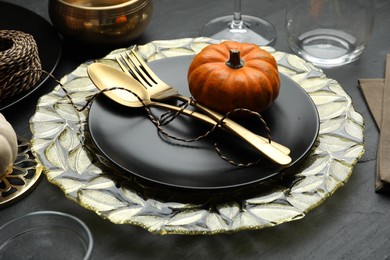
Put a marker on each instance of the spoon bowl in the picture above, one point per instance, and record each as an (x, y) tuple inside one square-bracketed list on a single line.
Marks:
[(106, 77)]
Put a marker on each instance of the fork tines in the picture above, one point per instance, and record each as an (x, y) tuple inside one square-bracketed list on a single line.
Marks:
[(134, 65)]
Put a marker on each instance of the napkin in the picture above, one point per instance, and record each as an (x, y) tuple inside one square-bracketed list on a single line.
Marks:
[(377, 95)]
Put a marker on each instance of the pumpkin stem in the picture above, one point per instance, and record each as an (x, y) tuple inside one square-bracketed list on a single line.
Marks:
[(235, 61)]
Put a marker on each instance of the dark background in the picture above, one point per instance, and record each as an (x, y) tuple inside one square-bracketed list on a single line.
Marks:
[(354, 223)]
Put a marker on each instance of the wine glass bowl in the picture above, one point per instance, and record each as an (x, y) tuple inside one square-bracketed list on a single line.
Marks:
[(240, 28)]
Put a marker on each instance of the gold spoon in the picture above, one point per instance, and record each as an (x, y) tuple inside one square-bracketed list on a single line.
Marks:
[(105, 77)]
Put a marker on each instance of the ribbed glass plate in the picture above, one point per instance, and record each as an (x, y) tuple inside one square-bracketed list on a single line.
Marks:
[(62, 145)]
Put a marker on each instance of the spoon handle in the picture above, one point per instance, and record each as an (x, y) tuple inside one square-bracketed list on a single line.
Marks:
[(261, 144), (278, 146)]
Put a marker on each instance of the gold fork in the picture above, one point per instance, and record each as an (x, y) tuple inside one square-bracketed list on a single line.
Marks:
[(159, 90)]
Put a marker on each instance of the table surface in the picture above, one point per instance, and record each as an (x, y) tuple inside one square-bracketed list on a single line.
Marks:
[(352, 223)]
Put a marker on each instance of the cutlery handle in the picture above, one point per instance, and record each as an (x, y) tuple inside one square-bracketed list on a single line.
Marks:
[(278, 146), (258, 142), (261, 145)]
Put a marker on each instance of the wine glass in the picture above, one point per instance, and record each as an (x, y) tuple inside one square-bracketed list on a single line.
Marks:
[(241, 28)]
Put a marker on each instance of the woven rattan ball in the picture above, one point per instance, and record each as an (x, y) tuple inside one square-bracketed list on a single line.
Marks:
[(20, 66)]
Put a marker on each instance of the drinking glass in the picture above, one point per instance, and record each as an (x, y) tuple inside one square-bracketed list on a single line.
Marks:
[(330, 33), (241, 28)]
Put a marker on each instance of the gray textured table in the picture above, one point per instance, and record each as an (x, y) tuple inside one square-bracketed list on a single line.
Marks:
[(352, 224)]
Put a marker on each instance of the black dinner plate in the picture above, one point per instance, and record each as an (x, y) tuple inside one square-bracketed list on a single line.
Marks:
[(128, 139), (14, 17)]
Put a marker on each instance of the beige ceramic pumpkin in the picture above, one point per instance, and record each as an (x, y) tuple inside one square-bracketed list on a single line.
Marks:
[(234, 75), (8, 145)]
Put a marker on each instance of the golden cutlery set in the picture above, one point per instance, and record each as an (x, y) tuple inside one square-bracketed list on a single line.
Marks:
[(138, 86)]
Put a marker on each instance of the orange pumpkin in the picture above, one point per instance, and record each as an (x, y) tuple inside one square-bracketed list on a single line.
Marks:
[(232, 75)]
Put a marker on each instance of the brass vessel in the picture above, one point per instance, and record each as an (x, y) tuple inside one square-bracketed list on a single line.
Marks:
[(101, 22)]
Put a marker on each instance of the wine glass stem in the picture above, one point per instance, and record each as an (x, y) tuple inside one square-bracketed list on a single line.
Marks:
[(237, 22)]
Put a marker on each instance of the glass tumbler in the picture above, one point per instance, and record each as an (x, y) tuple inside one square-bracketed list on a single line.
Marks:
[(329, 33)]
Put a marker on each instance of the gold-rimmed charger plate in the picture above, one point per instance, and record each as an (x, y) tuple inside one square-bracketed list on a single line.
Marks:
[(62, 145)]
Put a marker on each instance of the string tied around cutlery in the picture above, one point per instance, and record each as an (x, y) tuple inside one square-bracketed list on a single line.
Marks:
[(169, 116), (20, 66)]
